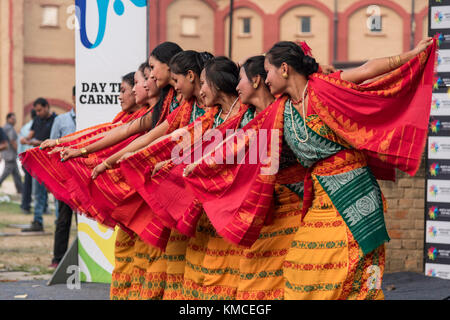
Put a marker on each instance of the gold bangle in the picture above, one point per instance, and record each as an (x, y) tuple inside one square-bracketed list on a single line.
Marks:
[(84, 152), (107, 165), (391, 63), (399, 61), (57, 141)]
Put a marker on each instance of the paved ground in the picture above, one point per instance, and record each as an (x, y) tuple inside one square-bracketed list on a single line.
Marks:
[(397, 286)]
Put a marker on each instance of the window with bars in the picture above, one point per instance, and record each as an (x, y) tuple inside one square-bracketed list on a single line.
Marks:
[(50, 16), (305, 24), (189, 26), (376, 24)]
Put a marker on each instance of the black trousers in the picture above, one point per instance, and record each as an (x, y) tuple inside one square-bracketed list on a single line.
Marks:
[(27, 191), (62, 231)]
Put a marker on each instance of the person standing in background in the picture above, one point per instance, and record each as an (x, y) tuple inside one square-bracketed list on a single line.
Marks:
[(39, 131), (3, 140), (10, 153), (63, 125), (28, 179)]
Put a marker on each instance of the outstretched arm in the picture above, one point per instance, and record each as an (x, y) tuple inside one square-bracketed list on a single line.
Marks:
[(114, 136), (137, 144), (376, 67)]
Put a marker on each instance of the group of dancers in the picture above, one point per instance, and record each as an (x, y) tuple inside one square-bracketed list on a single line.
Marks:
[(207, 228)]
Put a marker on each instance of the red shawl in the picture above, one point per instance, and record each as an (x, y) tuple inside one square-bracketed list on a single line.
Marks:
[(387, 120), (71, 181), (151, 224)]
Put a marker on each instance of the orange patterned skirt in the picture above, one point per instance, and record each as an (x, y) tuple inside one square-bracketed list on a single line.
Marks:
[(326, 263), (312, 259), (206, 266)]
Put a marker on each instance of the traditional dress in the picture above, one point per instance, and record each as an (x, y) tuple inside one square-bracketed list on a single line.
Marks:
[(71, 181), (350, 136), (144, 271), (206, 266)]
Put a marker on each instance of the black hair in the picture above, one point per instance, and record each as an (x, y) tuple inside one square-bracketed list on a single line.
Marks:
[(223, 74), (254, 66), (165, 51), (33, 114), (43, 102), (74, 91), (129, 78), (291, 53), (143, 66), (9, 115), (187, 60)]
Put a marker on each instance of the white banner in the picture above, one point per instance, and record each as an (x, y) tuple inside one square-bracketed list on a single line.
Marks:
[(440, 105), (438, 232), (443, 60), (440, 17), (438, 191), (111, 41), (437, 270), (438, 147)]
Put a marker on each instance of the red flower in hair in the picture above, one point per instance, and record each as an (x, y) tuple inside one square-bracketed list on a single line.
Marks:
[(306, 49)]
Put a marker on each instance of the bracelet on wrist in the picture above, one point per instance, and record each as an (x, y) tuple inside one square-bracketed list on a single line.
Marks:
[(107, 165), (84, 152)]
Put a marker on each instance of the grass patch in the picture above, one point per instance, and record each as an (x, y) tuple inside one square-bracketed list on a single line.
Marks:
[(10, 207), (32, 269)]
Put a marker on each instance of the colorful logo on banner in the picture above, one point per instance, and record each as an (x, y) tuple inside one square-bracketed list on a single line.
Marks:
[(433, 190), (431, 272), (433, 212), (435, 104), (440, 38), (435, 169), (102, 6), (438, 17), (435, 126), (437, 83), (432, 253), (432, 231), (434, 147)]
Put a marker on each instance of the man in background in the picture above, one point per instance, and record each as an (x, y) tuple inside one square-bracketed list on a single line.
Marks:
[(10, 153), (63, 125), (28, 180), (39, 132), (3, 140)]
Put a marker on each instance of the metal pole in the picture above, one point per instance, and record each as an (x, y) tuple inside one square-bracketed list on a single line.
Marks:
[(230, 39), (413, 24), (336, 24)]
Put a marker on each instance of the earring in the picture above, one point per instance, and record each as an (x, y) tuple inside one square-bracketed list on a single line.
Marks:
[(255, 86), (285, 75)]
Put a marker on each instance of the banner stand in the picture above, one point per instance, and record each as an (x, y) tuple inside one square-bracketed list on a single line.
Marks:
[(437, 184), (61, 274)]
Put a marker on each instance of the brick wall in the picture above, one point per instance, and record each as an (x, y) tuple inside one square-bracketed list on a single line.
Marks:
[(405, 221)]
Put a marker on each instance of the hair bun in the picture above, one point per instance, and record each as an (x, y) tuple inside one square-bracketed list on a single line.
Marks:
[(310, 65)]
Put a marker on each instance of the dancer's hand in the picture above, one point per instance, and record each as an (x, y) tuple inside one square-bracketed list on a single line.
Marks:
[(49, 143), (69, 153), (423, 44), (188, 170), (326, 69), (97, 170), (56, 150), (158, 167), (125, 156)]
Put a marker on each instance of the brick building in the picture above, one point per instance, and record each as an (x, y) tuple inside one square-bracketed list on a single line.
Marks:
[(37, 56)]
